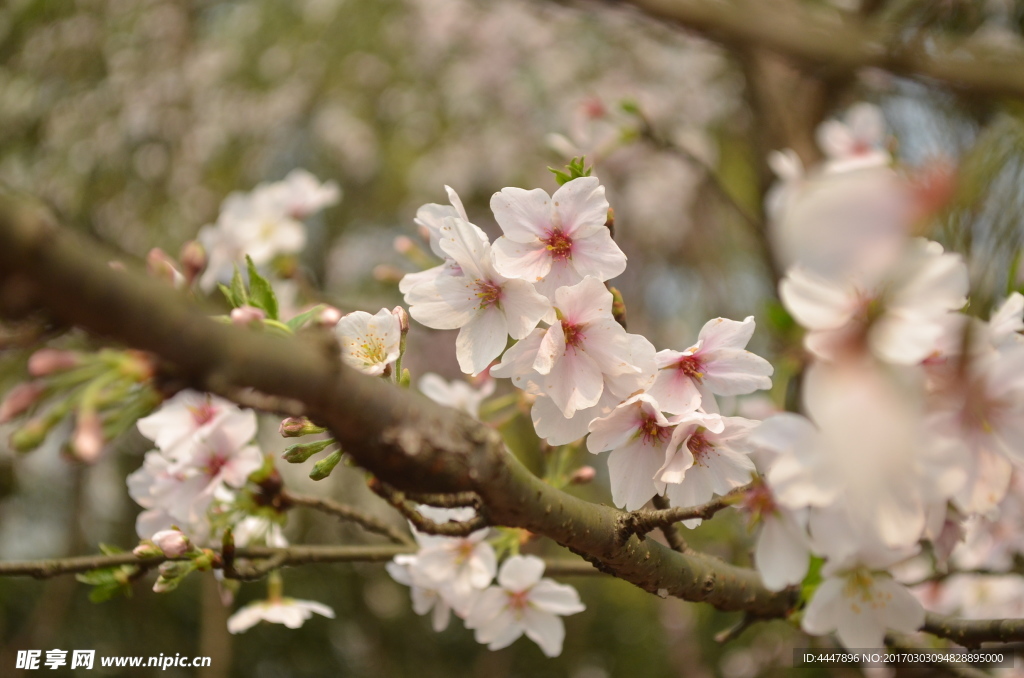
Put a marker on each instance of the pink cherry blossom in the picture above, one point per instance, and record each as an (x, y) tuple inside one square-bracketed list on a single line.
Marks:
[(426, 597), (457, 394), (716, 364), (555, 241), (485, 306), (856, 142), (179, 420), (291, 612)]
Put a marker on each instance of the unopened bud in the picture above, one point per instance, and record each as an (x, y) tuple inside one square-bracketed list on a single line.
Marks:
[(323, 468), (247, 315), (163, 267), (30, 436), (147, 549), (329, 317), (19, 399), (618, 306), (87, 442), (193, 259), (174, 543), (296, 454), (404, 244), (138, 366), (49, 360), (296, 427), (402, 316), (582, 475)]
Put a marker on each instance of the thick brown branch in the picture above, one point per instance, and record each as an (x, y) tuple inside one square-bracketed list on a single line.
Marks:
[(343, 512), (973, 632), (834, 44)]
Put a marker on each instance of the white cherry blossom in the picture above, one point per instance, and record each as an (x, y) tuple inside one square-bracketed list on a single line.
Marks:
[(782, 550), (430, 218), (717, 364), (523, 602), (300, 194), (856, 142), (175, 424), (898, 316), (425, 597), (485, 306), (573, 359), (557, 240), (859, 605), (369, 343), (457, 567), (637, 434), (291, 612), (707, 455)]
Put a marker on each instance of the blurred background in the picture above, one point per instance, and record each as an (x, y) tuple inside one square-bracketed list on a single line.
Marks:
[(134, 119)]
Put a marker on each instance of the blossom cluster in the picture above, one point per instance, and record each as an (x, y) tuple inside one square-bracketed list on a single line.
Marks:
[(455, 574), (912, 407), (263, 223), (204, 455)]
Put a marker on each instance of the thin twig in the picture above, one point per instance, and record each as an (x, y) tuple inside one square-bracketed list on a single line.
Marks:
[(643, 521), (671, 532), (422, 523), (343, 512), (957, 669), (456, 500)]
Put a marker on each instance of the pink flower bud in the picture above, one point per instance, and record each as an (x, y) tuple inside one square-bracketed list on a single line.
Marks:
[(173, 543), (49, 360), (19, 399), (329, 316), (247, 315), (402, 316), (147, 549), (583, 475), (163, 267), (404, 245), (88, 440), (193, 259)]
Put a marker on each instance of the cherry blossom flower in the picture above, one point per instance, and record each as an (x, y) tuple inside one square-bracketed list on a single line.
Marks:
[(716, 364), (425, 597), (369, 343), (856, 142), (300, 194), (486, 307), (523, 602), (173, 543), (175, 425), (782, 551), (291, 612), (571, 361), (457, 394), (869, 466), (555, 241), (431, 218), (638, 435), (899, 316), (859, 604), (458, 567), (707, 455)]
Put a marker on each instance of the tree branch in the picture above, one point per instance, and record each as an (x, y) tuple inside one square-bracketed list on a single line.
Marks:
[(972, 633), (342, 512), (277, 556), (423, 524), (641, 522), (833, 43)]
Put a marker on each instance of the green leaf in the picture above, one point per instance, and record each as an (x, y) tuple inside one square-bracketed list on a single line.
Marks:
[(576, 168), (229, 295), (110, 550), (301, 319), (102, 594), (102, 577), (261, 294), (813, 579), (238, 294)]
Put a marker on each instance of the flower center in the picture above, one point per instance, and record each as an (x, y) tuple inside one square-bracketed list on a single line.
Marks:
[(573, 334), (691, 366), (559, 244), (488, 293), (518, 600), (699, 447), (652, 433), (372, 350), (463, 551), (215, 464), (760, 501), (202, 414), (860, 588)]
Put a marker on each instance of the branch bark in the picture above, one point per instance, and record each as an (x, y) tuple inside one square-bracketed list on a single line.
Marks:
[(834, 43)]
